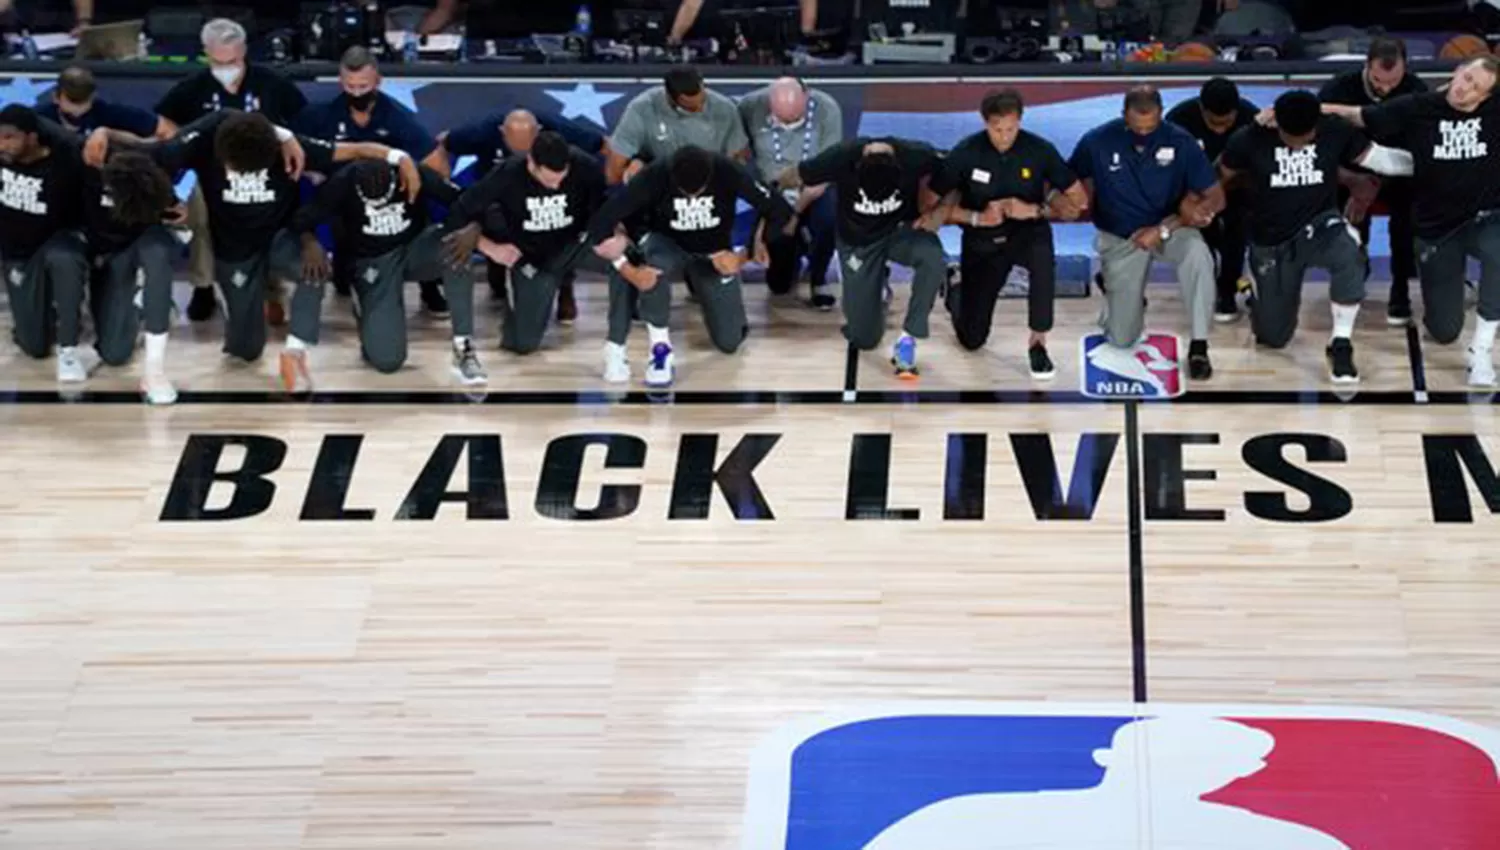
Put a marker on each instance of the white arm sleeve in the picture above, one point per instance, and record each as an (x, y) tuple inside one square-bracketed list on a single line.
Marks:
[(1392, 162)]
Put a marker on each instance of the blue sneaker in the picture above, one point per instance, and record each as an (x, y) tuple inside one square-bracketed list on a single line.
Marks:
[(660, 370), (904, 358)]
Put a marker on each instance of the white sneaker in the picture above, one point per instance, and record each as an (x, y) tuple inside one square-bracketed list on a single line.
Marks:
[(466, 366), (616, 367), (75, 365), (661, 369), (1481, 369), (157, 390)]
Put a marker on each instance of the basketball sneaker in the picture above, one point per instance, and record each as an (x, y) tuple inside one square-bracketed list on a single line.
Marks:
[(904, 358), (1341, 362), (1042, 368), (616, 367), (74, 365), (156, 389), (661, 370), (466, 365), (295, 378), (1481, 369)]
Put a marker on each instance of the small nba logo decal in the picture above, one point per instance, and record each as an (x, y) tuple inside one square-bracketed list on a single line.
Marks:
[(1151, 776), (1150, 369)]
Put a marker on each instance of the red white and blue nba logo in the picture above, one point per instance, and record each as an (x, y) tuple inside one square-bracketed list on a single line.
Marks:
[(1150, 369), (1110, 777)]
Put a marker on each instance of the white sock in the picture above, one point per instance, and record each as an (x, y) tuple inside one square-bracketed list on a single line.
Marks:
[(156, 352), (460, 343), (67, 350), (1484, 335), (293, 343), (614, 349), (658, 335), (1343, 320)]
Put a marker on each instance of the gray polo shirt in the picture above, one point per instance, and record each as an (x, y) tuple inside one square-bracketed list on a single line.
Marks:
[(777, 148), (652, 127)]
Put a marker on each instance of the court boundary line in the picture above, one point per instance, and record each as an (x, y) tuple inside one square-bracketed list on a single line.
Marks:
[(1136, 544), (1417, 364), (605, 397)]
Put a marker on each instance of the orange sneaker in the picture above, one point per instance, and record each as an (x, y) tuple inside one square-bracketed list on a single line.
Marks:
[(295, 377)]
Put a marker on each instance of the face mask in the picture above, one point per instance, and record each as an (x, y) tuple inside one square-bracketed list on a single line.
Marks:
[(226, 75), (73, 119), (362, 102), (793, 125)]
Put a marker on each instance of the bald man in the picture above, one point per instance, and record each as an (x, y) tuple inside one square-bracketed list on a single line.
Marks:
[(789, 123), (493, 138)]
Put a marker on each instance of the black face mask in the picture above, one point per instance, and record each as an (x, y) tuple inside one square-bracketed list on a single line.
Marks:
[(362, 102)]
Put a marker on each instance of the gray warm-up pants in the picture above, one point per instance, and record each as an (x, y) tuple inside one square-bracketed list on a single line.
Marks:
[(1441, 266), (1329, 243), (722, 297), (865, 275), (1126, 268), (243, 284), (46, 293), (533, 292), (379, 285), (142, 269)]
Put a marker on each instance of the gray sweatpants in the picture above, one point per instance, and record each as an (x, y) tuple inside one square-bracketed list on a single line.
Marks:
[(379, 287), (533, 292), (1331, 244), (866, 273), (243, 284), (721, 297), (46, 293), (1126, 268), (142, 268), (1441, 263)]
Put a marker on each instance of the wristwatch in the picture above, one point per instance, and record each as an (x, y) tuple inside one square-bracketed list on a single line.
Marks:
[(1166, 233)]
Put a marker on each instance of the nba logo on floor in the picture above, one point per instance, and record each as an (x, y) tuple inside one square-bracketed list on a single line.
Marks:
[(1150, 369), (1152, 776)]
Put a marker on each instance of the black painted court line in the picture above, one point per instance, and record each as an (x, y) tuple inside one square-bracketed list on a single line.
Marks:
[(1418, 367), (851, 373), (1137, 563), (784, 398)]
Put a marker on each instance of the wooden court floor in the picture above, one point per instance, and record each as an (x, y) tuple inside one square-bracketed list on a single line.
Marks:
[(400, 616)]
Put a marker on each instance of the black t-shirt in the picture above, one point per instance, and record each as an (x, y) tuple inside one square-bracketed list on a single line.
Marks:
[(39, 199), (541, 222), (982, 174), (1454, 178), (376, 226), (1189, 116), (104, 233), (1289, 188), (263, 90), (864, 220), (1349, 89), (699, 224), (244, 210)]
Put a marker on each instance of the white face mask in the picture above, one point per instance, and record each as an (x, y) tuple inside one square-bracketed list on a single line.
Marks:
[(792, 126), (227, 75)]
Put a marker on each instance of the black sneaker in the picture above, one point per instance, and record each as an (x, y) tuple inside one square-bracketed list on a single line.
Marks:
[(822, 300), (1041, 365), (1200, 368), (567, 305), (1398, 314), (433, 300), (203, 304), (1226, 310), (1341, 362)]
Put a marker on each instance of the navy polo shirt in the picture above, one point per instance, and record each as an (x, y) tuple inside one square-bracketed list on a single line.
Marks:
[(483, 140), (391, 124), (113, 116), (1135, 189)]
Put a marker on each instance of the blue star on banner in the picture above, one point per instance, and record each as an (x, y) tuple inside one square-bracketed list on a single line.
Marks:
[(22, 90), (584, 102), (403, 91)]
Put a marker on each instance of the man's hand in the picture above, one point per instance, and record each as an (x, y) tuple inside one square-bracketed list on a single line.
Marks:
[(643, 278), (1267, 116), (1194, 212), (1362, 192), (612, 248), (932, 221), (1147, 238), (504, 253), (727, 262), (789, 178), (632, 170), (1018, 209), (460, 245), (96, 148), (293, 157), (315, 267), (1064, 209), (411, 178), (993, 215)]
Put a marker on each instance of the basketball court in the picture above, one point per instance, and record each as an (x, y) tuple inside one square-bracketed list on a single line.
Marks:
[(795, 603)]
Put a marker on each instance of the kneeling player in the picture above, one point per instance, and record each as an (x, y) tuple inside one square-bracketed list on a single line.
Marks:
[(689, 204), (882, 219), (1293, 176), (41, 250), (529, 214), (392, 242)]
